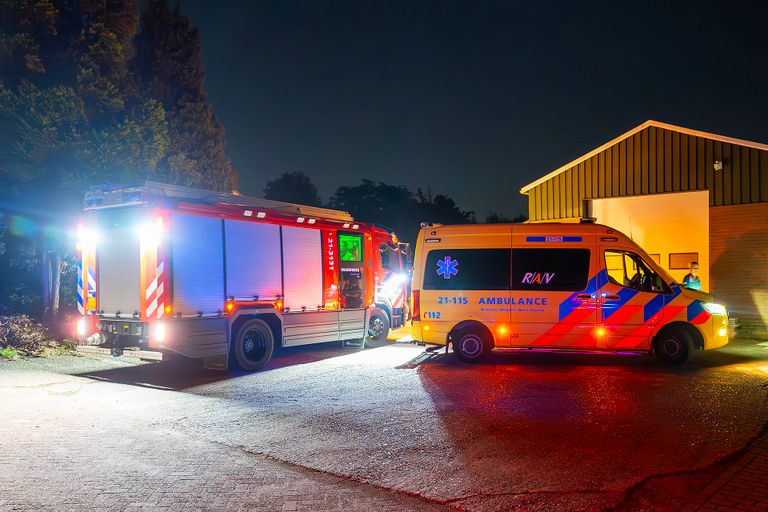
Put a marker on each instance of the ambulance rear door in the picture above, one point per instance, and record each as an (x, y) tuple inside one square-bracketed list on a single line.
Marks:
[(466, 278)]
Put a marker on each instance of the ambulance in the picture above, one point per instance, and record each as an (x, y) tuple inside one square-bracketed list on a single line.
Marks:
[(226, 278), (553, 286)]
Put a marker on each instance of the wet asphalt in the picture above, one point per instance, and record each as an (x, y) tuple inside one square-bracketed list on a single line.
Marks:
[(533, 431)]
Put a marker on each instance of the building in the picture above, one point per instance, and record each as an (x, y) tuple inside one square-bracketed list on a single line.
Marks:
[(684, 195)]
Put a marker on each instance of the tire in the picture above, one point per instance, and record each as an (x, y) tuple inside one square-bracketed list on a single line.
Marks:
[(471, 345), (378, 329), (672, 346), (252, 346)]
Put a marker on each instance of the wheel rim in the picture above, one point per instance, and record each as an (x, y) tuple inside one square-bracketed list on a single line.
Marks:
[(254, 345), (375, 327), (471, 345), (671, 347)]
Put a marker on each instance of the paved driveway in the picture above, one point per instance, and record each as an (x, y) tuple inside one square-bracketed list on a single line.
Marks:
[(325, 428)]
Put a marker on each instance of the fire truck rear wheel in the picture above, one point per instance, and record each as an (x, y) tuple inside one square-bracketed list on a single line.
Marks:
[(378, 329), (253, 345)]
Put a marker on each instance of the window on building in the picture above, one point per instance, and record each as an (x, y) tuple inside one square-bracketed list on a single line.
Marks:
[(629, 270), (550, 269), (656, 257), (682, 260), (467, 269)]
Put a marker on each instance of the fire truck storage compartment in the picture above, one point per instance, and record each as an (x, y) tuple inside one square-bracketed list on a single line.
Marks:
[(253, 260), (197, 264), (118, 261), (302, 268)]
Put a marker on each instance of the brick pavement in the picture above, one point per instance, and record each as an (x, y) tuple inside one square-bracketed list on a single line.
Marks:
[(71, 444), (742, 486)]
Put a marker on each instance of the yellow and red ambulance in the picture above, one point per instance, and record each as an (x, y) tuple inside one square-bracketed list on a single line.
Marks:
[(553, 286)]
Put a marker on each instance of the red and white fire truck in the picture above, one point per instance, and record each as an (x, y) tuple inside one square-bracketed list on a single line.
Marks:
[(225, 277)]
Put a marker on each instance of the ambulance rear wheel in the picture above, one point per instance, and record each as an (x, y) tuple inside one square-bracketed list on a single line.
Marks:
[(253, 345), (471, 345), (378, 329), (672, 346)]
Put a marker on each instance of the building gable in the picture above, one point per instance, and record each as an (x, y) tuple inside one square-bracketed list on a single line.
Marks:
[(654, 158)]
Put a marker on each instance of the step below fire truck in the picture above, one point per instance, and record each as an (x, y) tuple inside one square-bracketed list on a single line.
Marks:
[(225, 277)]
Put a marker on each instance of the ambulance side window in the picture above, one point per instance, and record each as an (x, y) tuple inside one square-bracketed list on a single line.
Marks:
[(552, 270), (629, 270), (467, 269)]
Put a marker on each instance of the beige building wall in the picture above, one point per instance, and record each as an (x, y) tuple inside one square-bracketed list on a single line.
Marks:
[(663, 224)]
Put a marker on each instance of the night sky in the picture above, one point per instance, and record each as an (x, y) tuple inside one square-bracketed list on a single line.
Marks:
[(471, 99)]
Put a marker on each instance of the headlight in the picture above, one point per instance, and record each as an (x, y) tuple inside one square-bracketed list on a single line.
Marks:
[(713, 308), (391, 285)]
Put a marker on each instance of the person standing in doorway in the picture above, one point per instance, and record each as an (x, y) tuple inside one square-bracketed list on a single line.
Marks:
[(691, 280)]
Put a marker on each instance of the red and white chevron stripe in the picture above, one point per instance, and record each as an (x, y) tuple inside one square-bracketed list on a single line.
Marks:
[(154, 295)]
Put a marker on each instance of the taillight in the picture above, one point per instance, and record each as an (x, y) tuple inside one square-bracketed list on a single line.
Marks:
[(415, 314), (81, 327)]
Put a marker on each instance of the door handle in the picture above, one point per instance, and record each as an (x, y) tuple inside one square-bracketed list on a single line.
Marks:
[(584, 296), (611, 297)]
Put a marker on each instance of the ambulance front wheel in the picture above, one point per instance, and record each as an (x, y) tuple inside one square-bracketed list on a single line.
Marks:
[(672, 346), (471, 345), (378, 329), (253, 345)]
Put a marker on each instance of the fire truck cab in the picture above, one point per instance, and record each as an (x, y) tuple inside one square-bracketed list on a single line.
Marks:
[(225, 277)]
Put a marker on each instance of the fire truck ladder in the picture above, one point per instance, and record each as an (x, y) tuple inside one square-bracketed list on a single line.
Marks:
[(110, 196)]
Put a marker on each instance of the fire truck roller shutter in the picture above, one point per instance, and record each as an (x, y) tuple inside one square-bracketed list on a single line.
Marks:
[(303, 268), (253, 260), (198, 266), (118, 280)]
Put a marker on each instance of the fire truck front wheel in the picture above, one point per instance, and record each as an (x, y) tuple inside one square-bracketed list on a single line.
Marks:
[(378, 329), (253, 345)]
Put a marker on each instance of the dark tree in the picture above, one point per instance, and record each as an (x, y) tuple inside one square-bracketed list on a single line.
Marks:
[(293, 187), (81, 105), (170, 63), (397, 207), (499, 218)]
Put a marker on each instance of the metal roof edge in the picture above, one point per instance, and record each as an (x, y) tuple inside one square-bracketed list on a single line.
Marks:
[(658, 124)]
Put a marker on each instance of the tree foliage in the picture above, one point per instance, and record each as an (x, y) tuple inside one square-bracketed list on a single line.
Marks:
[(500, 218), (397, 207), (94, 92), (293, 187)]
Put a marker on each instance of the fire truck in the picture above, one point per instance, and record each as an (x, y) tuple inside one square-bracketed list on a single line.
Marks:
[(224, 277)]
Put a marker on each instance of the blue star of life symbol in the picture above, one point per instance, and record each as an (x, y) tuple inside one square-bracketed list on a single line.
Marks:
[(447, 267)]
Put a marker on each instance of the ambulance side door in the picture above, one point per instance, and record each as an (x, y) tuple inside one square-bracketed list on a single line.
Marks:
[(553, 301)]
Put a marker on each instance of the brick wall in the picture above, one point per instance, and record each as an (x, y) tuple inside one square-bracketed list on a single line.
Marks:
[(738, 251)]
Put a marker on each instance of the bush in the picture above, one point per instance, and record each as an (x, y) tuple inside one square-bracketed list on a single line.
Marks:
[(23, 335)]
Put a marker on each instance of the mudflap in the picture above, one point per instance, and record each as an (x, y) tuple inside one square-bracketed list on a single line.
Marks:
[(353, 343), (215, 362)]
